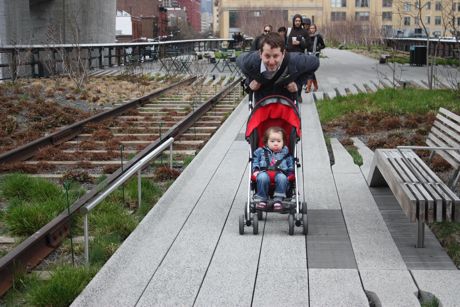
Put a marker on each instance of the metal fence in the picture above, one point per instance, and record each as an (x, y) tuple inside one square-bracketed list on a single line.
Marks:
[(45, 60), (445, 48)]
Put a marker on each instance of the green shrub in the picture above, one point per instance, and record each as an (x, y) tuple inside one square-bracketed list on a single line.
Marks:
[(357, 158), (392, 101), (65, 285), (112, 218), (25, 218), (188, 160), (28, 188), (22, 283), (102, 248), (33, 202)]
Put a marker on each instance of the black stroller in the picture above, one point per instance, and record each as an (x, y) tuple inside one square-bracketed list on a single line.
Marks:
[(269, 112)]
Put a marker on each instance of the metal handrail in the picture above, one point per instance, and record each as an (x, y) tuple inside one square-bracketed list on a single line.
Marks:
[(122, 179)]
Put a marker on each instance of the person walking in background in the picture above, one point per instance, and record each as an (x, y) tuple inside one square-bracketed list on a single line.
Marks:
[(238, 40), (258, 39), (317, 45), (306, 22), (283, 31), (298, 39)]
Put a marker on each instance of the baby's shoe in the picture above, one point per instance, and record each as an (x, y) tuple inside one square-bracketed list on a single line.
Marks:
[(277, 204), (261, 205)]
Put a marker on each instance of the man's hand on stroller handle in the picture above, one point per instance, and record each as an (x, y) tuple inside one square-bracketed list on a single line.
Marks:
[(255, 173), (292, 87), (254, 85)]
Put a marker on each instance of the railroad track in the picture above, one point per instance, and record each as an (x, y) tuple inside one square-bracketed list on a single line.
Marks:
[(190, 111), (100, 147)]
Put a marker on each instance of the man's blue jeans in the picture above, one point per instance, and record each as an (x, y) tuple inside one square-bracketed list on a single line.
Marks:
[(263, 185)]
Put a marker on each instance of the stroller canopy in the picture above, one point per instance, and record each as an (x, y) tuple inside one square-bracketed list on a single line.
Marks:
[(273, 111)]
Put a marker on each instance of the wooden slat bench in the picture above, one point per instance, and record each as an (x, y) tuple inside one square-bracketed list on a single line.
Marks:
[(422, 195)]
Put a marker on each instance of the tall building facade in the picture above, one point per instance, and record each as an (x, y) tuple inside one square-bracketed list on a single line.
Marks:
[(393, 17), (36, 21), (193, 11)]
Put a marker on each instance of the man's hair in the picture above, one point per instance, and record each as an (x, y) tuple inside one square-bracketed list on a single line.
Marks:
[(282, 29), (274, 40), (269, 26), (306, 21), (274, 129)]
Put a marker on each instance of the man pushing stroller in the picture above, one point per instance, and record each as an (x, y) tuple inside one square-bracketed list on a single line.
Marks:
[(274, 76), (273, 71)]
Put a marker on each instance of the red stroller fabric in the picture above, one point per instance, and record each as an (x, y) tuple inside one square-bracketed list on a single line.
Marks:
[(274, 111), (269, 112)]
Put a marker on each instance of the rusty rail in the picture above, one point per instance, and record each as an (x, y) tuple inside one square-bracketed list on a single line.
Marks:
[(34, 249), (69, 132)]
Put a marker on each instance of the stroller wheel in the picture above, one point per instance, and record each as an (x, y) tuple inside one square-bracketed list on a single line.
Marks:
[(291, 224), (241, 224), (255, 224), (304, 208), (260, 215), (305, 223), (246, 217)]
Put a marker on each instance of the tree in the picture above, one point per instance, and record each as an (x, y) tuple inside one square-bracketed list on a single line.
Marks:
[(74, 64), (452, 28), (419, 14)]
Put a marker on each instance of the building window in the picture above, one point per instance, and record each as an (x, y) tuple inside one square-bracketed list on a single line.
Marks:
[(438, 6), (362, 3), (233, 19), (416, 20), (257, 14), (387, 30), (362, 16), (407, 7), (428, 5), (338, 3), (387, 3), (428, 20), (387, 16), (458, 21), (407, 21), (437, 20), (458, 6), (338, 16)]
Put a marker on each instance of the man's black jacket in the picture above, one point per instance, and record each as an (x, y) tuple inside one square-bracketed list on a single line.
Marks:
[(299, 66)]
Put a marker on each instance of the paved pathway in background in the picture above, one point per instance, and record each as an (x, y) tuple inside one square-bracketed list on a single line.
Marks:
[(342, 72), (187, 250)]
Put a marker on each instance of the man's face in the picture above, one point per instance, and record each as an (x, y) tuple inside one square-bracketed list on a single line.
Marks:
[(297, 22), (271, 57)]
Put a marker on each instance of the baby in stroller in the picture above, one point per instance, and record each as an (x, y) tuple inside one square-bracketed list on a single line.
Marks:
[(272, 165), (273, 131)]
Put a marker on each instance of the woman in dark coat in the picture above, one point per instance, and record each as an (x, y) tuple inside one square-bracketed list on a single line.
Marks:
[(316, 46)]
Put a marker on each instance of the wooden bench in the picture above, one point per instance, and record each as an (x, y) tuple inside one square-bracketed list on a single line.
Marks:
[(422, 195)]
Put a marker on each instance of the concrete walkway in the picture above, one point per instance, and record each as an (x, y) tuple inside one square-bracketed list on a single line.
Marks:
[(187, 250)]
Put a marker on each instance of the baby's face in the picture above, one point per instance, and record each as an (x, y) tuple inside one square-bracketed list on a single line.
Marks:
[(275, 141)]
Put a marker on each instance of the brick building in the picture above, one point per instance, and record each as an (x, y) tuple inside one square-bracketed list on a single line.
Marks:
[(148, 18), (193, 10)]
